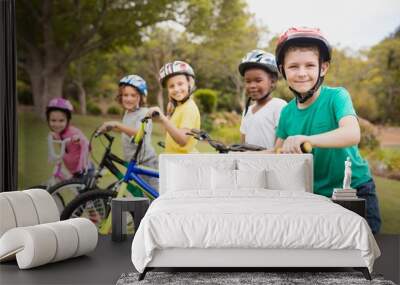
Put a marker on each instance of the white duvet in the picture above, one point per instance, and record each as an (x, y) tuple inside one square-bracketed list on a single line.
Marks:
[(251, 218)]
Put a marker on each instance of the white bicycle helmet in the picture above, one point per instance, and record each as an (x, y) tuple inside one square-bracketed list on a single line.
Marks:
[(135, 81), (260, 59), (175, 68)]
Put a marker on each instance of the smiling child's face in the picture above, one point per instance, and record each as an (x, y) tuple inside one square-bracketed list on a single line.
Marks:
[(57, 121), (178, 87), (301, 68), (257, 83), (130, 98)]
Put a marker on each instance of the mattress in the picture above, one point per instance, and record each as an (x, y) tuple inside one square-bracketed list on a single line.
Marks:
[(250, 219)]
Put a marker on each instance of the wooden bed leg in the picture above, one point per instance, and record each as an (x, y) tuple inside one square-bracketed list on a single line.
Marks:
[(364, 271), (143, 274)]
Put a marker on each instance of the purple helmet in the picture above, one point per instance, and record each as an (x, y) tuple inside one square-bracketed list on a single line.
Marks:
[(59, 104)]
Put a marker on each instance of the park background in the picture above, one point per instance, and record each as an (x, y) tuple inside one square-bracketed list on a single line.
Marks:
[(80, 49)]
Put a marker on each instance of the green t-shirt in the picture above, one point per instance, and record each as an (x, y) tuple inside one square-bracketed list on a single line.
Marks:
[(323, 116)]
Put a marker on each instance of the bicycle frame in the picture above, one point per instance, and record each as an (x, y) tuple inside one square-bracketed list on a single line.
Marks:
[(131, 174), (132, 177), (108, 161), (58, 174)]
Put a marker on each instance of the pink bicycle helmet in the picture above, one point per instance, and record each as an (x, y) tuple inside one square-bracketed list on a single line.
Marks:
[(300, 37), (296, 36), (59, 104)]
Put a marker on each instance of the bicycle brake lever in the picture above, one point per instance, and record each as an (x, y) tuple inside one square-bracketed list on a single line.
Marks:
[(154, 114), (197, 137), (197, 131)]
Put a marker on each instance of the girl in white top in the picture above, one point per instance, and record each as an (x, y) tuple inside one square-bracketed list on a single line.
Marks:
[(260, 119)]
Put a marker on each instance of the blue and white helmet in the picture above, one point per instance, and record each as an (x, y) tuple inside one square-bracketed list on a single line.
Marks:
[(135, 81), (174, 68), (261, 59)]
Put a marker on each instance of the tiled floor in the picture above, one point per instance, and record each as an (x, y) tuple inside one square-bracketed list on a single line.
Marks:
[(110, 260)]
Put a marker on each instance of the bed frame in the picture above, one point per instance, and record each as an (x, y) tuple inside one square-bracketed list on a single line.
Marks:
[(260, 258), (241, 259)]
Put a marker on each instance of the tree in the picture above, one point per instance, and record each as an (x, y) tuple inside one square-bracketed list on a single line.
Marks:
[(217, 51), (213, 44), (384, 77), (160, 47), (51, 34)]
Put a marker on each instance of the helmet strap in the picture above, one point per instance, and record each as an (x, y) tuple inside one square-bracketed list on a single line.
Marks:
[(249, 101), (247, 105)]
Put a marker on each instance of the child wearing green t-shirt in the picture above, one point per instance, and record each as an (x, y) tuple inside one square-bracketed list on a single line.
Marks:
[(323, 116)]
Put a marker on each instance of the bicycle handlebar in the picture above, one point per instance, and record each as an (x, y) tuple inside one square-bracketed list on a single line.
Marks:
[(153, 115), (52, 152), (138, 137), (220, 146), (306, 147)]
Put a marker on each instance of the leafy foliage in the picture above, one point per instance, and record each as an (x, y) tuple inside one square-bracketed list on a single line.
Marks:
[(92, 44), (369, 140), (206, 99), (114, 110), (93, 109)]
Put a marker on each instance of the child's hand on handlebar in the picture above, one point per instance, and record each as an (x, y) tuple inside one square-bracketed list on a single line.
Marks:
[(75, 139), (154, 113), (106, 127), (296, 144)]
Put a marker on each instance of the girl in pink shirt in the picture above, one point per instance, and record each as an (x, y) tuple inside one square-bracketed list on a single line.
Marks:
[(74, 144)]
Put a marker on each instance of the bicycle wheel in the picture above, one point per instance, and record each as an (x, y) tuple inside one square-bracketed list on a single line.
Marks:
[(65, 191), (94, 205)]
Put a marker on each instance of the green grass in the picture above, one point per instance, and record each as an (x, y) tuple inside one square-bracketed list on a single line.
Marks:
[(389, 201), (34, 168)]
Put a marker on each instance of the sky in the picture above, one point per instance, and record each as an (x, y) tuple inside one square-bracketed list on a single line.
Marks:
[(354, 24)]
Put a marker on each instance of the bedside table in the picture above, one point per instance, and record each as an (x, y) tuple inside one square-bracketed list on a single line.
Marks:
[(355, 205), (137, 206)]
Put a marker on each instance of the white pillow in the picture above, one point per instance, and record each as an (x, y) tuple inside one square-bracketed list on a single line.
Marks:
[(286, 172), (279, 180), (188, 177), (226, 179), (223, 179), (251, 178)]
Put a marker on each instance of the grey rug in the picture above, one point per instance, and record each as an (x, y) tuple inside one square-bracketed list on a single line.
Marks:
[(231, 278)]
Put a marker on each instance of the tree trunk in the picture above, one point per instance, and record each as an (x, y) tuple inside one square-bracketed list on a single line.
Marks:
[(81, 88), (82, 97), (240, 95), (45, 86)]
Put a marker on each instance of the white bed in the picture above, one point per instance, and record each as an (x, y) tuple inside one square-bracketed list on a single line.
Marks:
[(247, 210)]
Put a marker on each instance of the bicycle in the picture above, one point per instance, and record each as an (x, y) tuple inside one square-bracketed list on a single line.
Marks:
[(65, 191), (96, 204), (220, 147), (58, 173), (60, 178)]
